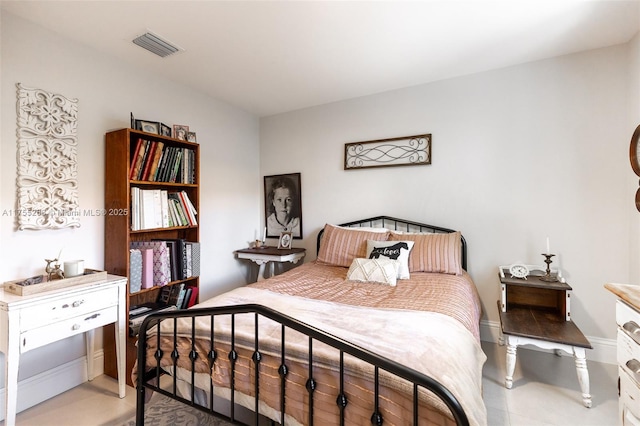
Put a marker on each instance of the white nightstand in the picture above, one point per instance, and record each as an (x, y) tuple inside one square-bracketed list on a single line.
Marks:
[(29, 322), (628, 321), (262, 256)]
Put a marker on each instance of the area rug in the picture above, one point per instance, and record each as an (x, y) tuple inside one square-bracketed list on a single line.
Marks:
[(163, 411)]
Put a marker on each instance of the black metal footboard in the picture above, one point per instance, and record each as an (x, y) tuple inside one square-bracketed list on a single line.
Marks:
[(144, 372)]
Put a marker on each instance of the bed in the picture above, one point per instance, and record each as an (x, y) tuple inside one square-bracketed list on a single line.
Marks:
[(382, 328)]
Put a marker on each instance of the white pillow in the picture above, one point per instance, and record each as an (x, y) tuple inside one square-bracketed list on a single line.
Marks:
[(383, 270), (394, 250)]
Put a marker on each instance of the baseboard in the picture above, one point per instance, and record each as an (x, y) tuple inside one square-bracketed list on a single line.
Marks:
[(39, 388), (604, 350)]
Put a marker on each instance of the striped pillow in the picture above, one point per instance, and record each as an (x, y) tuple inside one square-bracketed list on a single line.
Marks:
[(339, 246), (433, 252)]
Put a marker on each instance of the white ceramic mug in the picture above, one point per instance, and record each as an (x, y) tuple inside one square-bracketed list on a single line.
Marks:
[(73, 268)]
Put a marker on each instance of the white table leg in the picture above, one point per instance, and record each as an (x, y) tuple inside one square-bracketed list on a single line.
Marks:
[(121, 344), (12, 363), (89, 339), (512, 349), (261, 269), (583, 375)]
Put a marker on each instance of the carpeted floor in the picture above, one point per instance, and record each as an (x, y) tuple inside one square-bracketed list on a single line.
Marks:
[(162, 411)]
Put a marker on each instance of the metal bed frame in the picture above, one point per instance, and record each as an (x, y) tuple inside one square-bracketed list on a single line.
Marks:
[(147, 373)]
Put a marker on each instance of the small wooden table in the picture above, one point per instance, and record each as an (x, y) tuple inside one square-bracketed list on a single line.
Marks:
[(263, 255), (534, 312)]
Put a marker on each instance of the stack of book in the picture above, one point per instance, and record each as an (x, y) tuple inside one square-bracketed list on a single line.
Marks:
[(170, 298), (156, 162), (163, 261), (159, 208)]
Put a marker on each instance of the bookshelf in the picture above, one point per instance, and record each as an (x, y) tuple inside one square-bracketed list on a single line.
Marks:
[(121, 227)]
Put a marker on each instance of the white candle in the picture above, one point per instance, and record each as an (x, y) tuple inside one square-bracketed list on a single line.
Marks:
[(255, 234), (548, 249), (264, 236)]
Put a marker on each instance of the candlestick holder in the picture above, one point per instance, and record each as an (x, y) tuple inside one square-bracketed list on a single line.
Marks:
[(547, 277)]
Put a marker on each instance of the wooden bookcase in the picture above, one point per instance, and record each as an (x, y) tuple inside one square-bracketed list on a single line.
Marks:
[(120, 150)]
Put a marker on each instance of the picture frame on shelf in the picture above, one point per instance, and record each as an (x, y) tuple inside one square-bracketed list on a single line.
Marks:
[(148, 126), (284, 242), (165, 130), (191, 137), (180, 132), (283, 205)]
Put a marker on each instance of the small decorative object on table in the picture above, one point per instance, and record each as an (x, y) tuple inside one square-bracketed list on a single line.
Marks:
[(548, 277), (519, 270), (285, 240), (53, 272)]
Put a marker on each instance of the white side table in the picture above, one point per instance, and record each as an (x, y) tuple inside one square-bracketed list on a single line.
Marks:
[(265, 255), (29, 322)]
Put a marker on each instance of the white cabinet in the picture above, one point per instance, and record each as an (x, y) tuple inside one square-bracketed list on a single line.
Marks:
[(628, 351), (28, 322)]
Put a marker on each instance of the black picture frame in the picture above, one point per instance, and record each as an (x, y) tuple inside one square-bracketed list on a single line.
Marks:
[(165, 130), (276, 186), (148, 126)]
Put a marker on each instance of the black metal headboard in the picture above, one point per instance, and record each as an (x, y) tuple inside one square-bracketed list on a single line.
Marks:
[(401, 225)]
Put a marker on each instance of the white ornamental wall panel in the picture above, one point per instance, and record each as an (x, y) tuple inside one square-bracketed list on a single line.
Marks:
[(47, 160)]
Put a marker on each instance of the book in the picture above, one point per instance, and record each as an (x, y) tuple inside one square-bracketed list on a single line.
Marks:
[(169, 294), (178, 257), (164, 208), (195, 258), (181, 296), (135, 208), (147, 209), (148, 160), (142, 158), (194, 297), (164, 176), (189, 208), (136, 321), (134, 159), (146, 257), (137, 163), (135, 270), (186, 298), (156, 160), (161, 265), (176, 166)]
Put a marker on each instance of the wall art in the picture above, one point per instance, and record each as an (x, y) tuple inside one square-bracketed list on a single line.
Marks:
[(283, 205), (47, 160), (404, 151)]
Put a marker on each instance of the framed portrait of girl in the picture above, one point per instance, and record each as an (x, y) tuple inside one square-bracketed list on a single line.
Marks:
[(282, 205)]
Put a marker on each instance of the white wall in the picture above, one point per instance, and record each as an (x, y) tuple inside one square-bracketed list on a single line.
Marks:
[(108, 91), (519, 154)]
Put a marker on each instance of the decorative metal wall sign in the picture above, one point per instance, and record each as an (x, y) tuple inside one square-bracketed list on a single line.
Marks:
[(404, 151), (47, 160)]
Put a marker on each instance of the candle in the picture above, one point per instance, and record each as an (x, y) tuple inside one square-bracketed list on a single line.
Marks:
[(548, 249), (255, 234), (264, 235)]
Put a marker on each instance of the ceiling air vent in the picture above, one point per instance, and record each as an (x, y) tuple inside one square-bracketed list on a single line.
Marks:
[(154, 44)]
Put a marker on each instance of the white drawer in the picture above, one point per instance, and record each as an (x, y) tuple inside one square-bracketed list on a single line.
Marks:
[(53, 332), (627, 348), (67, 307), (629, 396), (625, 313)]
